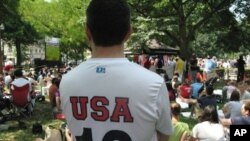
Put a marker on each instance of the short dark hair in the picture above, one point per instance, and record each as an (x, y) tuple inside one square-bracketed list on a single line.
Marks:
[(56, 81), (18, 73), (209, 90), (108, 21)]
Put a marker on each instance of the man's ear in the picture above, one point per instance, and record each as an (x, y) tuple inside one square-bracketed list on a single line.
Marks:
[(88, 32), (130, 31)]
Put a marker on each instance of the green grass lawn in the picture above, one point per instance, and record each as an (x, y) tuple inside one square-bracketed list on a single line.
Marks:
[(42, 114)]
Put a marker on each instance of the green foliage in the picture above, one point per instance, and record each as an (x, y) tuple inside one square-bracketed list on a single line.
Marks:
[(16, 29), (63, 19), (200, 26), (187, 23)]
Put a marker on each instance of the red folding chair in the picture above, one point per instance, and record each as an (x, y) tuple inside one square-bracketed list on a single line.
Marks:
[(20, 100)]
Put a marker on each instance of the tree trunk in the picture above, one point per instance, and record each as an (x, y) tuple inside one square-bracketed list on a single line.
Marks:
[(18, 53), (183, 38)]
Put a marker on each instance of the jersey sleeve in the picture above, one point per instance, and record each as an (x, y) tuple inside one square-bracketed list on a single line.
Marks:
[(164, 124)]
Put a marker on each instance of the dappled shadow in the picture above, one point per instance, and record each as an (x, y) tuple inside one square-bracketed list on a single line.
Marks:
[(42, 114)]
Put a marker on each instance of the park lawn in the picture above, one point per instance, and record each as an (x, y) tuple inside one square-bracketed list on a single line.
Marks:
[(42, 114)]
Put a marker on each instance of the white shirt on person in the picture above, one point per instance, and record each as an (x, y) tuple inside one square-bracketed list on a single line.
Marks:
[(121, 97), (207, 131), (7, 79)]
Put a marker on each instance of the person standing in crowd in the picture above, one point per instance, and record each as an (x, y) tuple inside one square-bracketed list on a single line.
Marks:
[(54, 95), (194, 67), (170, 68), (241, 68), (179, 68), (209, 68), (108, 90)]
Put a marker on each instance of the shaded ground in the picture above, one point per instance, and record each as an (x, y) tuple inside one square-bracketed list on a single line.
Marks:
[(42, 114)]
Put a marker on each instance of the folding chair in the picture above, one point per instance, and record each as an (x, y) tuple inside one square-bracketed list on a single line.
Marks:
[(21, 102)]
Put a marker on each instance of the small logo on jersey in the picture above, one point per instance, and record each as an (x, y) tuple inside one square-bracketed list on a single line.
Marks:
[(100, 70)]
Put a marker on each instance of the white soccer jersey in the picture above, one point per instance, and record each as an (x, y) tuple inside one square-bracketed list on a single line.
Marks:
[(114, 99)]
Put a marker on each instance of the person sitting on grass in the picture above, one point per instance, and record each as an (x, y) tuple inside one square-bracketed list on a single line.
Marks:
[(175, 82), (244, 119), (204, 100), (185, 89), (21, 81), (246, 92), (181, 129), (209, 128), (232, 107), (197, 88)]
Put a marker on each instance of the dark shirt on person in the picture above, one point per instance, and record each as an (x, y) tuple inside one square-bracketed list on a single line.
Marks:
[(241, 64), (194, 65), (207, 100), (241, 120)]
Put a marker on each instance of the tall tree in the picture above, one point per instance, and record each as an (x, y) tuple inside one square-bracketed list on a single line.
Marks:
[(180, 20), (63, 19), (16, 29)]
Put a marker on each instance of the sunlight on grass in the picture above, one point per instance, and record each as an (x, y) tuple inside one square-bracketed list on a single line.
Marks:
[(42, 114)]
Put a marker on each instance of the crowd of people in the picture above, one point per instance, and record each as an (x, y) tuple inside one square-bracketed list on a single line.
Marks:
[(191, 67)]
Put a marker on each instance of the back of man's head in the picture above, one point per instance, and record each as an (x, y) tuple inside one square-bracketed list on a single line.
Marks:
[(108, 21), (175, 108), (18, 73)]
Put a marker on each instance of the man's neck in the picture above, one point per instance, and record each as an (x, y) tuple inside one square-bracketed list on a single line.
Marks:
[(175, 119), (108, 52)]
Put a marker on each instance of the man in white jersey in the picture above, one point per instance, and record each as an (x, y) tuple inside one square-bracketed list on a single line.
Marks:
[(109, 98)]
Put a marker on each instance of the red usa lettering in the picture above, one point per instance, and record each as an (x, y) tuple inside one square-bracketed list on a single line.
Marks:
[(99, 105)]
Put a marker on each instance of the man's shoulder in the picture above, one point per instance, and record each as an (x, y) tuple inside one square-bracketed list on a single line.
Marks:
[(20, 82)]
